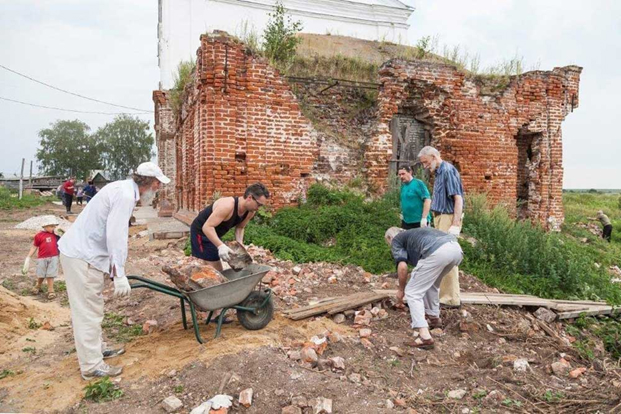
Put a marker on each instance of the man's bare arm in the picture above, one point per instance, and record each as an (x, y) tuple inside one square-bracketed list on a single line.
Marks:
[(221, 211), (458, 210)]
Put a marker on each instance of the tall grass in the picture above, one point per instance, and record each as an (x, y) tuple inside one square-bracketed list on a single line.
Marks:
[(185, 69), (520, 257), (9, 200)]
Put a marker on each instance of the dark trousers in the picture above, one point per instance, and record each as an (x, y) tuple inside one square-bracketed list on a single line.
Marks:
[(68, 202), (607, 232), (407, 226), (79, 200)]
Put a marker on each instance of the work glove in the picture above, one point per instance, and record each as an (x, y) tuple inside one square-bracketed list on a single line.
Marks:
[(26, 265), (224, 252), (423, 222), (121, 286), (454, 230)]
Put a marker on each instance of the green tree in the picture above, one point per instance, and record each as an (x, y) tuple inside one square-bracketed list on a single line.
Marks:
[(127, 142), (67, 148), (279, 37)]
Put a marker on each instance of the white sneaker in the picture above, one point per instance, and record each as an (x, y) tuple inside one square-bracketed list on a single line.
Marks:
[(103, 370)]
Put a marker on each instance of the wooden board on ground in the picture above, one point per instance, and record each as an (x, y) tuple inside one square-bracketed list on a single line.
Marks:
[(333, 306), (565, 309)]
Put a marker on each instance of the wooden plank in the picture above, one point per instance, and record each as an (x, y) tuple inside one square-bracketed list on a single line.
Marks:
[(591, 312), (320, 308), (319, 302), (332, 307), (356, 304)]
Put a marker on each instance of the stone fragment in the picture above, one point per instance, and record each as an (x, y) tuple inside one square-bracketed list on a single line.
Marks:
[(366, 343), (457, 394), (389, 404), (561, 367), (47, 326), (294, 355), (322, 406), (171, 404), (545, 314), (245, 397), (338, 363), (308, 354), (291, 409), (339, 318), (299, 401), (365, 333), (149, 326), (397, 351), (355, 378), (296, 270), (363, 318), (520, 365), (577, 372), (437, 331), (400, 402)]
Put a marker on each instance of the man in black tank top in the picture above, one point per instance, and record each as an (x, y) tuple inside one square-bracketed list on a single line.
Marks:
[(217, 219)]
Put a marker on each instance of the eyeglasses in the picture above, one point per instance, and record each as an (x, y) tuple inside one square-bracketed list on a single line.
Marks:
[(257, 201)]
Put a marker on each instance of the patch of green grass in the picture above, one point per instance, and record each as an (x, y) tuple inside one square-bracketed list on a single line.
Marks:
[(6, 373), (102, 390), (9, 200), (551, 396), (30, 349), (509, 402), (479, 394), (60, 286), (183, 77), (334, 67), (178, 389), (115, 328), (32, 324)]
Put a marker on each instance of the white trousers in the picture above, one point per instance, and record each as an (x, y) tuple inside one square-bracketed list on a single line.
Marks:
[(422, 291), (85, 286)]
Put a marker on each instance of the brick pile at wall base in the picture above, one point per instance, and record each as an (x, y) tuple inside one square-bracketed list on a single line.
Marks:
[(506, 141)]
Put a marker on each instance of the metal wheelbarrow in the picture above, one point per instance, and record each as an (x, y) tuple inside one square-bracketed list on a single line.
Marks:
[(255, 307)]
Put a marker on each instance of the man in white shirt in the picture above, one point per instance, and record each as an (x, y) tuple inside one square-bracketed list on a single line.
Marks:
[(94, 246)]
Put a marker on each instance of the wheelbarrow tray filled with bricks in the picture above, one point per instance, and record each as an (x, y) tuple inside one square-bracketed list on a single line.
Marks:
[(254, 306)]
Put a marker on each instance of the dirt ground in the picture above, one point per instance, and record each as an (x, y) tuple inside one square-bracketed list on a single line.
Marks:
[(475, 352)]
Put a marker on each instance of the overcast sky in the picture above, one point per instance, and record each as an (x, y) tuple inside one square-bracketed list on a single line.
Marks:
[(108, 50)]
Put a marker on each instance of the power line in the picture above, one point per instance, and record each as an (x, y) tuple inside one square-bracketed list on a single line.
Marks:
[(70, 93), (73, 110)]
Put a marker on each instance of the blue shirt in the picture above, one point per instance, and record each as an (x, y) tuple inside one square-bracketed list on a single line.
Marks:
[(446, 185), (413, 245)]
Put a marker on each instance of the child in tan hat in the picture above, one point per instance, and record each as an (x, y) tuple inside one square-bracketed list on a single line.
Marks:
[(46, 242)]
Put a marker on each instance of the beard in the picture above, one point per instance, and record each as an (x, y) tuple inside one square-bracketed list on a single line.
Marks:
[(147, 197), (433, 165)]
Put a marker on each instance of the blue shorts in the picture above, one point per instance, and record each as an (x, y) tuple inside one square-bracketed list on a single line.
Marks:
[(203, 248)]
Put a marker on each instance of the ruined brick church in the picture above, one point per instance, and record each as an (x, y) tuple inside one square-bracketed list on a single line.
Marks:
[(241, 121)]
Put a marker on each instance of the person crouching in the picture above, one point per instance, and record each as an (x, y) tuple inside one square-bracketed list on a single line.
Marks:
[(433, 254)]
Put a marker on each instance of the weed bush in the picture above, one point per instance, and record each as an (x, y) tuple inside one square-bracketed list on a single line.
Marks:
[(116, 328), (102, 390), (182, 78)]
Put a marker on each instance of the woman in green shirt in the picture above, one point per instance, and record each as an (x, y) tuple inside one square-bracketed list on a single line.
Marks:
[(415, 200)]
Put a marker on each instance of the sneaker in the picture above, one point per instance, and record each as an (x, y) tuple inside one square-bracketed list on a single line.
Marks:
[(104, 370), (111, 353)]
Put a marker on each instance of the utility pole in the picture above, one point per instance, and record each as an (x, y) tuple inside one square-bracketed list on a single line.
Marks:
[(30, 179), (21, 180)]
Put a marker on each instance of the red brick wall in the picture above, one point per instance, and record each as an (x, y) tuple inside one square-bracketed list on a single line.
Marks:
[(240, 124), (478, 129)]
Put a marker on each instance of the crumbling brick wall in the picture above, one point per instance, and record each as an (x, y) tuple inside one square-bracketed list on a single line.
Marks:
[(240, 123), (505, 139), (165, 127)]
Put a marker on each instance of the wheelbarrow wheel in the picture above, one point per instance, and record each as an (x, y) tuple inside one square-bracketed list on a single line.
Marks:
[(264, 315)]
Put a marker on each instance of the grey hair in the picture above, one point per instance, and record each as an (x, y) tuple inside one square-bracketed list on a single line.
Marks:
[(391, 233), (429, 151), (142, 180)]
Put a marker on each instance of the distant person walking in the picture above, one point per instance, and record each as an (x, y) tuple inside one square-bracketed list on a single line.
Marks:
[(607, 230), (69, 189), (447, 205), (415, 200), (80, 196), (89, 191)]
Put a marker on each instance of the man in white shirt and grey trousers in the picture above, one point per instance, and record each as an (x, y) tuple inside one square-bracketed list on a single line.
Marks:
[(95, 246)]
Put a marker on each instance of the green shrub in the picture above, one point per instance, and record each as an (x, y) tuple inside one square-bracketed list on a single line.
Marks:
[(182, 78), (279, 37), (102, 390)]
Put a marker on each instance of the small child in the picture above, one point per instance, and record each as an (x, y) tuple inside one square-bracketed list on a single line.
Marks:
[(47, 264), (80, 196)]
